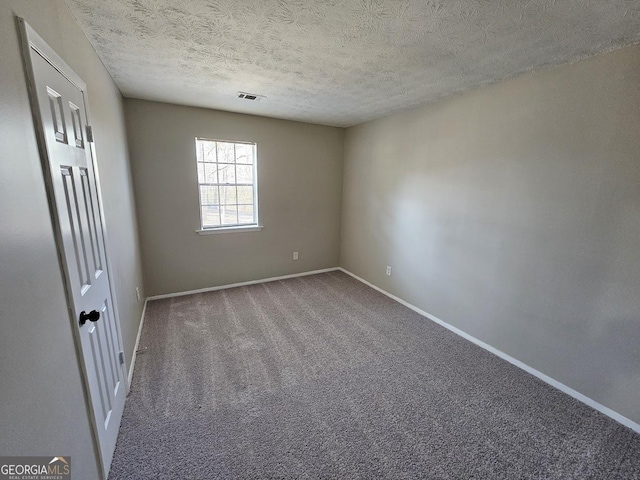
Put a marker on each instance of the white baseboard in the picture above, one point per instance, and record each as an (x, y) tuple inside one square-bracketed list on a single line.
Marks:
[(241, 284), (545, 378), (135, 347)]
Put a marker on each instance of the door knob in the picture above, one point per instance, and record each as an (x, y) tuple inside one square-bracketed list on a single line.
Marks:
[(92, 316)]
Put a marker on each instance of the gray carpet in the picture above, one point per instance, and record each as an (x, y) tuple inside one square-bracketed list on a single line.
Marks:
[(323, 377)]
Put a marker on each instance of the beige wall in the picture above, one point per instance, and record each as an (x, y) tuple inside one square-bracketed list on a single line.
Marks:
[(513, 213), (299, 188), (42, 407)]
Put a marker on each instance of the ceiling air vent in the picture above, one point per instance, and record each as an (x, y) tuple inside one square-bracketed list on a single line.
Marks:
[(250, 96)]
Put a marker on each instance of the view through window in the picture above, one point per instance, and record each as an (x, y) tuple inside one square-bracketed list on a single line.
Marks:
[(227, 183)]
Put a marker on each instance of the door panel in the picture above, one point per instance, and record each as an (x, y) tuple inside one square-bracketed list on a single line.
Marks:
[(90, 215), (75, 251), (57, 119)]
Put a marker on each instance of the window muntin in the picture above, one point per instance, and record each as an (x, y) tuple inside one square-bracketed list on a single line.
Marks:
[(227, 183)]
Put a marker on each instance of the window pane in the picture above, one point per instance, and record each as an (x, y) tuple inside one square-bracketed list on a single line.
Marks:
[(244, 173), (210, 173), (244, 153), (226, 173), (201, 173), (245, 195), (229, 215), (210, 216), (228, 195), (199, 150), (225, 152), (209, 195), (207, 151), (245, 214)]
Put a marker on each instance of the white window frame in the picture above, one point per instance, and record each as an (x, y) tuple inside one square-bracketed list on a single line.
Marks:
[(244, 227)]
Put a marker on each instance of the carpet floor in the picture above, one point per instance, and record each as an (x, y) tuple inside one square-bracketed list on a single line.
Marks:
[(323, 377)]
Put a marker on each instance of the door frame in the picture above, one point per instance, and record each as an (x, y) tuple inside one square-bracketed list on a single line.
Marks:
[(32, 43)]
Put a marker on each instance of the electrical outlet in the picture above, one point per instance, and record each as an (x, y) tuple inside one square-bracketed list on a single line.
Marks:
[(138, 293), (295, 255), (388, 271)]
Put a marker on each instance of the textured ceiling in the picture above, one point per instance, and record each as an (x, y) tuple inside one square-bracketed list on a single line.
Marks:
[(340, 62)]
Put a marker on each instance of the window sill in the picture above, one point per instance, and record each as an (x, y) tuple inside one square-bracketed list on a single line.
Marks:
[(215, 231)]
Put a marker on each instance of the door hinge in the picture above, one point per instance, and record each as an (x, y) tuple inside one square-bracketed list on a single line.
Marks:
[(121, 357), (89, 134)]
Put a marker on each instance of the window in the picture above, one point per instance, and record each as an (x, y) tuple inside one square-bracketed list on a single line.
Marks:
[(227, 184)]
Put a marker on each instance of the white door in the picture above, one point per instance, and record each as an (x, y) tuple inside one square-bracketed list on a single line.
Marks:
[(58, 98)]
